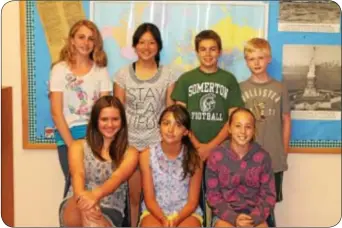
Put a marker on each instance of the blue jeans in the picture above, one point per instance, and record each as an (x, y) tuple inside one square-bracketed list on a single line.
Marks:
[(63, 159)]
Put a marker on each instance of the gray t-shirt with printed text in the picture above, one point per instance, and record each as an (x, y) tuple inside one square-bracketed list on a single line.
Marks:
[(145, 100), (268, 101)]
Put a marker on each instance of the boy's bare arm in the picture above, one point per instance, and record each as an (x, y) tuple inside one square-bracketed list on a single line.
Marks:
[(204, 149), (220, 137), (223, 134), (181, 103), (286, 131)]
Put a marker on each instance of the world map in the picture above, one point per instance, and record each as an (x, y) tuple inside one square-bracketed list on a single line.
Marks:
[(179, 23)]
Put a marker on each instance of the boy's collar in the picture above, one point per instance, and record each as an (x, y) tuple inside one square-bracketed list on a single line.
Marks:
[(217, 69), (255, 80)]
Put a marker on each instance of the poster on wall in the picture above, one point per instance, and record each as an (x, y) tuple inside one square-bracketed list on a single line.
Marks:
[(179, 23), (317, 16), (313, 77)]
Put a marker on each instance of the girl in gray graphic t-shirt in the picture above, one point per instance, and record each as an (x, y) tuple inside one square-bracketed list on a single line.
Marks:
[(144, 87)]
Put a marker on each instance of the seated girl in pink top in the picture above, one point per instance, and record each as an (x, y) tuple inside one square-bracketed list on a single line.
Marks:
[(239, 177)]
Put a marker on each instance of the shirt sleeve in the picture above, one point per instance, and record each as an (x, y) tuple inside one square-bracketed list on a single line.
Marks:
[(106, 83), (180, 92), (285, 99), (57, 79), (234, 96), (266, 199), (120, 78), (172, 76), (214, 195)]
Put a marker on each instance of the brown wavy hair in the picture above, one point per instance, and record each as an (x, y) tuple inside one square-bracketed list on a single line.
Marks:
[(98, 55), (94, 137), (191, 160)]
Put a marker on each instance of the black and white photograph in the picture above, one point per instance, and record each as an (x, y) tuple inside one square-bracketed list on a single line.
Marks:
[(313, 76), (318, 16)]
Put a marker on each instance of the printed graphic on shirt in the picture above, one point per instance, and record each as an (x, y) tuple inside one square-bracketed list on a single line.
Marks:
[(75, 85), (263, 102), (207, 102), (143, 103), (209, 92), (208, 87)]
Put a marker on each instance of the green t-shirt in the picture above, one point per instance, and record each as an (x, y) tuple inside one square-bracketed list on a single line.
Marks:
[(208, 97)]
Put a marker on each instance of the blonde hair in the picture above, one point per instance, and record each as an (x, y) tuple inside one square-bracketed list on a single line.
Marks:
[(255, 44), (97, 55)]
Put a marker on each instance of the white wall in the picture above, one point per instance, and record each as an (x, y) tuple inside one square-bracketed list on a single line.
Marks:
[(312, 186), (38, 180)]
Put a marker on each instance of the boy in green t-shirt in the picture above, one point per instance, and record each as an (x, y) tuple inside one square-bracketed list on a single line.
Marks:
[(209, 93)]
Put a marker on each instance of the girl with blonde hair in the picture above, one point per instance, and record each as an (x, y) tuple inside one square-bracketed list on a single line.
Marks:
[(77, 80)]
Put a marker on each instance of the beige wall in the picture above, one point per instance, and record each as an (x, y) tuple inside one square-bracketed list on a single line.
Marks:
[(312, 186)]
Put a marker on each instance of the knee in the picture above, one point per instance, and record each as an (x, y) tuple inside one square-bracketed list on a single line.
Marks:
[(263, 224), (221, 223), (70, 216), (150, 223)]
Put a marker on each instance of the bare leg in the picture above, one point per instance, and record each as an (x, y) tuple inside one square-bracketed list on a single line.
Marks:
[(190, 221), (73, 217), (101, 222), (71, 214), (263, 224), (134, 193), (150, 221), (221, 223)]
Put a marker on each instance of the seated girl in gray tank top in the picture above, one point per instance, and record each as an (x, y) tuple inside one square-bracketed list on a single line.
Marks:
[(99, 167)]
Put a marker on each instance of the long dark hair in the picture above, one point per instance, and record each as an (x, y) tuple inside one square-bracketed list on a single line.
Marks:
[(153, 29), (94, 137), (191, 160), (242, 109)]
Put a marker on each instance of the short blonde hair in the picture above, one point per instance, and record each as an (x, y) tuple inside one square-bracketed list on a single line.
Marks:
[(255, 44)]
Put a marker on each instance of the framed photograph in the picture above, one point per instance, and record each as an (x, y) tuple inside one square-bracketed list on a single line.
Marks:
[(313, 77), (45, 25), (309, 16)]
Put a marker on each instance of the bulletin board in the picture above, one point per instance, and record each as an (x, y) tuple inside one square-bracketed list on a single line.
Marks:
[(312, 131), (260, 19)]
